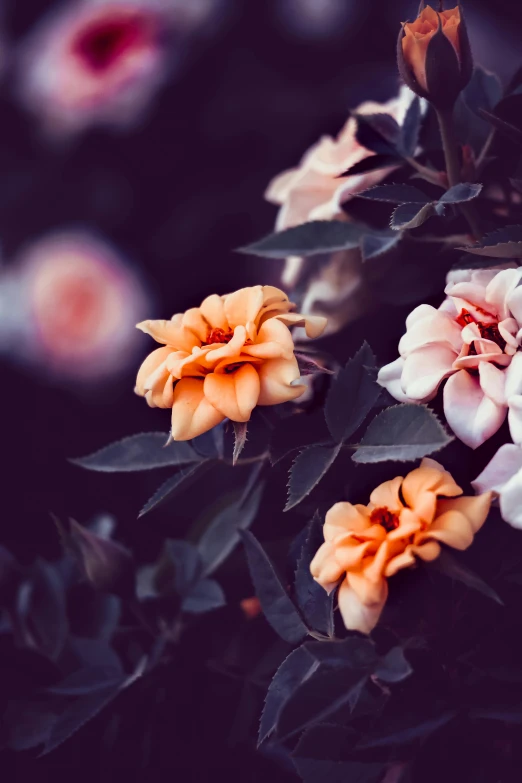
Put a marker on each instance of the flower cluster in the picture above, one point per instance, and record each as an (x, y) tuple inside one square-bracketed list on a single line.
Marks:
[(406, 518), (223, 358)]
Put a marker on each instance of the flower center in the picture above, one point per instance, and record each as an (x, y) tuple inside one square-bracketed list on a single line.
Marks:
[(219, 336), (385, 518), (489, 331), (102, 42)]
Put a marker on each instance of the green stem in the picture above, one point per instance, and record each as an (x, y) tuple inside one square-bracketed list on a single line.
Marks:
[(451, 154)]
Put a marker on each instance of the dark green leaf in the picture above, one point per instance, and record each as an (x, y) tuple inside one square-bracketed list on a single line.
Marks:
[(319, 236), (355, 652), (373, 163), (375, 245), (307, 470), (505, 128), (277, 606), (313, 600), (145, 451), (180, 567), (402, 433), (240, 438), (318, 698), (393, 667), (464, 191), (396, 194), (322, 754), (378, 133), (222, 535), (27, 723), (504, 243), (179, 481), (408, 216), (80, 712), (352, 395), (88, 680), (411, 128), (448, 565), (45, 610), (483, 91), (203, 597), (293, 671), (408, 734), (94, 653)]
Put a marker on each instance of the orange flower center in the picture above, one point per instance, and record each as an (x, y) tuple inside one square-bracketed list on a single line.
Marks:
[(389, 520), (219, 336), (489, 331)]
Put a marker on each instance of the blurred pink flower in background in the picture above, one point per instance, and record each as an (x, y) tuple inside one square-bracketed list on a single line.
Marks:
[(101, 61), (315, 19), (315, 190), (69, 306)]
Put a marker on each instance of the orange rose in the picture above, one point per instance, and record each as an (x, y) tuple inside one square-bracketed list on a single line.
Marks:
[(430, 67), (406, 519), (223, 358)]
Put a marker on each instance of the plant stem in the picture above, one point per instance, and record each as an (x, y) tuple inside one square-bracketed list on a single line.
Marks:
[(451, 155)]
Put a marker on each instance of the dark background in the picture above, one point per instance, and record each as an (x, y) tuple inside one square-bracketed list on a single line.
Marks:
[(180, 193)]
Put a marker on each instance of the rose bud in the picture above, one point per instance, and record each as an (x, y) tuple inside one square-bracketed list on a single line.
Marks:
[(434, 55), (107, 565)]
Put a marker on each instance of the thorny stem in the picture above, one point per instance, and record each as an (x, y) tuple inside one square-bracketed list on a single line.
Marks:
[(451, 155)]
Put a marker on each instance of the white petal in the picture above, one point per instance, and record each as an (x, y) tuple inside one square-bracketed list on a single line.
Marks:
[(515, 418), (493, 382), (506, 463), (511, 501), (390, 377), (433, 328), (425, 369), (514, 376), (472, 415), (499, 290)]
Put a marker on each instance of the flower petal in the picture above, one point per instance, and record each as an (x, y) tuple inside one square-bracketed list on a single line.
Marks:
[(234, 394), (434, 328), (475, 508), (273, 341), (453, 529), (345, 518), (243, 306), (169, 333), (194, 321), (356, 615), (472, 415), (506, 464), (192, 413), (325, 567), (314, 325), (276, 376), (148, 367), (493, 382), (397, 563), (213, 311), (386, 495), (424, 370), (390, 376), (229, 350), (511, 501), (499, 289)]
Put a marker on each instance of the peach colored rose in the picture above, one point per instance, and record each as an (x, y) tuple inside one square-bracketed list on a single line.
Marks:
[(316, 191), (223, 358), (407, 518), (418, 34), (473, 339)]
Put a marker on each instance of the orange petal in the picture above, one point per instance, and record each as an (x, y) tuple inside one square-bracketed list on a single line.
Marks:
[(213, 311), (453, 529), (422, 485), (409, 524), (243, 306), (350, 553), (356, 615), (386, 495), (231, 349), (476, 509), (314, 324), (234, 394), (192, 413), (273, 341), (169, 333), (194, 321), (345, 518), (427, 551), (276, 376), (325, 568), (149, 366), (403, 560)]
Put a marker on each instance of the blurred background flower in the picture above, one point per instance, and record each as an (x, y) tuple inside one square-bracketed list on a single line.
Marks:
[(69, 308)]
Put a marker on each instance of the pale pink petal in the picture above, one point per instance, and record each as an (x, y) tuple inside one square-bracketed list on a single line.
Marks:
[(233, 394), (511, 501), (515, 303), (424, 371), (434, 328), (500, 288), (277, 377), (493, 382), (192, 413), (514, 376), (472, 415), (506, 463), (390, 376), (515, 418), (419, 313), (356, 615)]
